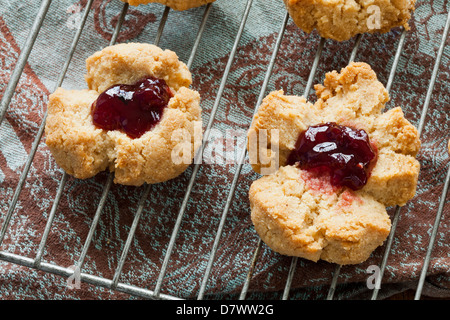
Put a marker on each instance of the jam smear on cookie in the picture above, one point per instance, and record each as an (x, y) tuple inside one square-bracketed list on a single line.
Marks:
[(343, 152), (132, 109)]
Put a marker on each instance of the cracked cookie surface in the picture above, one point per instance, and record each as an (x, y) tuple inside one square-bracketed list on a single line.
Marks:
[(179, 5), (299, 214), (342, 19), (83, 150)]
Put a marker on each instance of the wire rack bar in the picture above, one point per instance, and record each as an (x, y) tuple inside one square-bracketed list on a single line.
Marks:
[(50, 219), (337, 271), (178, 222), (119, 24), (84, 277), (308, 87), (64, 178), (202, 146), (41, 248), (334, 280), (338, 267), (147, 188), (37, 263), (23, 58), (447, 180), (95, 220), (248, 278), (307, 90), (38, 137), (312, 73), (434, 75), (355, 48), (420, 129), (222, 220), (396, 59), (130, 236), (290, 277), (387, 249), (161, 25), (110, 178), (199, 35), (241, 161), (434, 231)]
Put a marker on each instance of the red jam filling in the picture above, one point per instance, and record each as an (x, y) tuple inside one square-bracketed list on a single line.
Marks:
[(343, 152), (132, 109)]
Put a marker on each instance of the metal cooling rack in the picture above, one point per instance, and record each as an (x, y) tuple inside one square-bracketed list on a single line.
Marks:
[(114, 283)]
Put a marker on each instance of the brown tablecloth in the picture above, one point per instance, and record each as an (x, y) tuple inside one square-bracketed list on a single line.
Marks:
[(235, 108)]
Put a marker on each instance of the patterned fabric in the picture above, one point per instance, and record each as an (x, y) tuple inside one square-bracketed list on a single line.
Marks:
[(236, 106)]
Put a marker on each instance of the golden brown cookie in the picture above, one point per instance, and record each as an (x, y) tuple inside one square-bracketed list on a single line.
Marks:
[(302, 214), (297, 214), (174, 4), (342, 19), (83, 149)]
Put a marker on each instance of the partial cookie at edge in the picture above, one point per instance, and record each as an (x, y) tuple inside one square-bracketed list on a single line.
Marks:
[(341, 20)]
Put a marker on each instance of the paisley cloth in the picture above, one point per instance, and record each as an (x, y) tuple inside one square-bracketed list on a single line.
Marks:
[(235, 107)]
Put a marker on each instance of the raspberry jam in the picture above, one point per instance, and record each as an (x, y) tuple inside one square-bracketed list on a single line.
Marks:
[(343, 152), (132, 109)]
